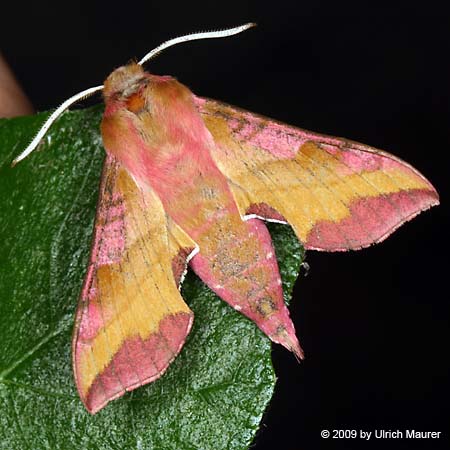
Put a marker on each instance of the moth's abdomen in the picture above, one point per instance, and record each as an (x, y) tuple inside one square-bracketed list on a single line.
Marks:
[(240, 265)]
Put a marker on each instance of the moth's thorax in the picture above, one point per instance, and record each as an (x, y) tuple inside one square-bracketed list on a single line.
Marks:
[(151, 122)]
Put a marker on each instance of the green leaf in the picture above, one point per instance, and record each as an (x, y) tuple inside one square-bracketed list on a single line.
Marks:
[(212, 397)]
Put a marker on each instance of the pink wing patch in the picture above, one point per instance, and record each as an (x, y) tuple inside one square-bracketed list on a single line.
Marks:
[(139, 362)]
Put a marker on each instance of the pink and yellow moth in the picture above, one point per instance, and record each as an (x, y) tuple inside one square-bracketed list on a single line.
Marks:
[(188, 180)]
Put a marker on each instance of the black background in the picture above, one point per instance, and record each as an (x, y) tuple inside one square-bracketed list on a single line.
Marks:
[(374, 324)]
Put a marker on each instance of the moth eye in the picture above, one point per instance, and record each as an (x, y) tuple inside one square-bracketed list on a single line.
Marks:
[(136, 104)]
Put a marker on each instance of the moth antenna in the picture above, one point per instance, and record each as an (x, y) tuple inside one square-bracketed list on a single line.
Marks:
[(88, 92), (53, 116), (194, 37)]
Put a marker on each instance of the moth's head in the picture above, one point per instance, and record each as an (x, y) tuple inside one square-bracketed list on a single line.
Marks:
[(124, 81)]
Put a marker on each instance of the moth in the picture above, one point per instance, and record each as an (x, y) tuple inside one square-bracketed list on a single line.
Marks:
[(189, 180)]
